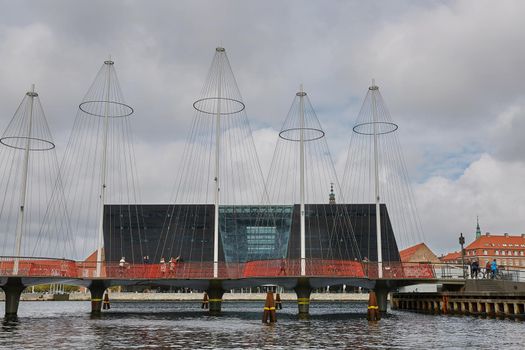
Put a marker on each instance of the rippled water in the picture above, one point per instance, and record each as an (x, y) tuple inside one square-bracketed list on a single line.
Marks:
[(183, 325)]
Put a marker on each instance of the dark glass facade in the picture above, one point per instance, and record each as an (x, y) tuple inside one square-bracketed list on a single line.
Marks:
[(254, 232), (332, 231), (363, 218)]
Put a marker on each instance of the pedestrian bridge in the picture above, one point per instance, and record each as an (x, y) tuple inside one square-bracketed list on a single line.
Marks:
[(30, 268), (199, 275)]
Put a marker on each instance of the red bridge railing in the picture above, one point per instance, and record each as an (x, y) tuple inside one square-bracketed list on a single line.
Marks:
[(38, 267), (42, 267), (314, 267), (400, 270)]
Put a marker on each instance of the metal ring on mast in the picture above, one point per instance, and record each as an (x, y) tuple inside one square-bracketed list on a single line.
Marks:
[(127, 111), (45, 144), (200, 105), (311, 134), (384, 128)]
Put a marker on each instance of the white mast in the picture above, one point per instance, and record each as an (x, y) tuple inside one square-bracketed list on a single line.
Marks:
[(374, 88), (220, 50), (20, 224), (103, 170), (301, 95)]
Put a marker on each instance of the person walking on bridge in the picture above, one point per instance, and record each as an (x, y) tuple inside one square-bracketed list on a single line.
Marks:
[(122, 266), (162, 266), (283, 267), (487, 269), (172, 265), (474, 269), (494, 268)]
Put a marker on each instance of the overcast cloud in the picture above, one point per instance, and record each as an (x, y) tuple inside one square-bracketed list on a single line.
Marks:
[(451, 73)]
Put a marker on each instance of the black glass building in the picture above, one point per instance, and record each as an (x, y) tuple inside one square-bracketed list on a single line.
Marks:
[(332, 231)]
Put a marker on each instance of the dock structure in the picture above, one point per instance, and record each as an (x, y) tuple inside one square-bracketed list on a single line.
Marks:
[(490, 298)]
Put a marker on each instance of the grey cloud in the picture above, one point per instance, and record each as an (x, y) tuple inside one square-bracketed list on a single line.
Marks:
[(447, 71)]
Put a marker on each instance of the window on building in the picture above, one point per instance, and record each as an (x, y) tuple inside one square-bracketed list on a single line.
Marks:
[(485, 252)]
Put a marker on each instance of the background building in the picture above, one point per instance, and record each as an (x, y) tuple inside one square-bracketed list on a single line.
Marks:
[(418, 253), (333, 231), (453, 258), (508, 250)]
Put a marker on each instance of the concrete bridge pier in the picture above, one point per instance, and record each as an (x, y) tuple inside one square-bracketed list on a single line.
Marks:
[(303, 291), (97, 289), (215, 293), (12, 289), (382, 299)]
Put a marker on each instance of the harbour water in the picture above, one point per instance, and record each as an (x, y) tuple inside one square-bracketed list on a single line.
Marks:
[(183, 325)]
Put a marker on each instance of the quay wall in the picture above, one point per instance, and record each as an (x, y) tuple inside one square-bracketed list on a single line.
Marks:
[(477, 298)]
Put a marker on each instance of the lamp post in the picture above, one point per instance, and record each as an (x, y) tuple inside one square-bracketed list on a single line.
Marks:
[(462, 242)]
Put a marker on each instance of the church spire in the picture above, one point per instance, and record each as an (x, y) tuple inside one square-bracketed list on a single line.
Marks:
[(331, 197), (478, 230)]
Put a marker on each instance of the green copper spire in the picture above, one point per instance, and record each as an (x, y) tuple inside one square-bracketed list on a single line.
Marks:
[(478, 230), (331, 197)]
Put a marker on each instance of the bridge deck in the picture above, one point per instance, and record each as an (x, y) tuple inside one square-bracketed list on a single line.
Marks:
[(61, 268)]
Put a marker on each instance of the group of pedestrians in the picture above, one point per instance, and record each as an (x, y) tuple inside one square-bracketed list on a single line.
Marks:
[(165, 265), (491, 269), (171, 263)]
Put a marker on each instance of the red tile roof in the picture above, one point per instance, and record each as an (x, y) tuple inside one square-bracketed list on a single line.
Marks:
[(418, 253), (483, 242), (451, 256), (405, 254), (93, 256)]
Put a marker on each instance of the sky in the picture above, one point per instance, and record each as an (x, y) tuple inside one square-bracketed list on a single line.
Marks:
[(450, 72)]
